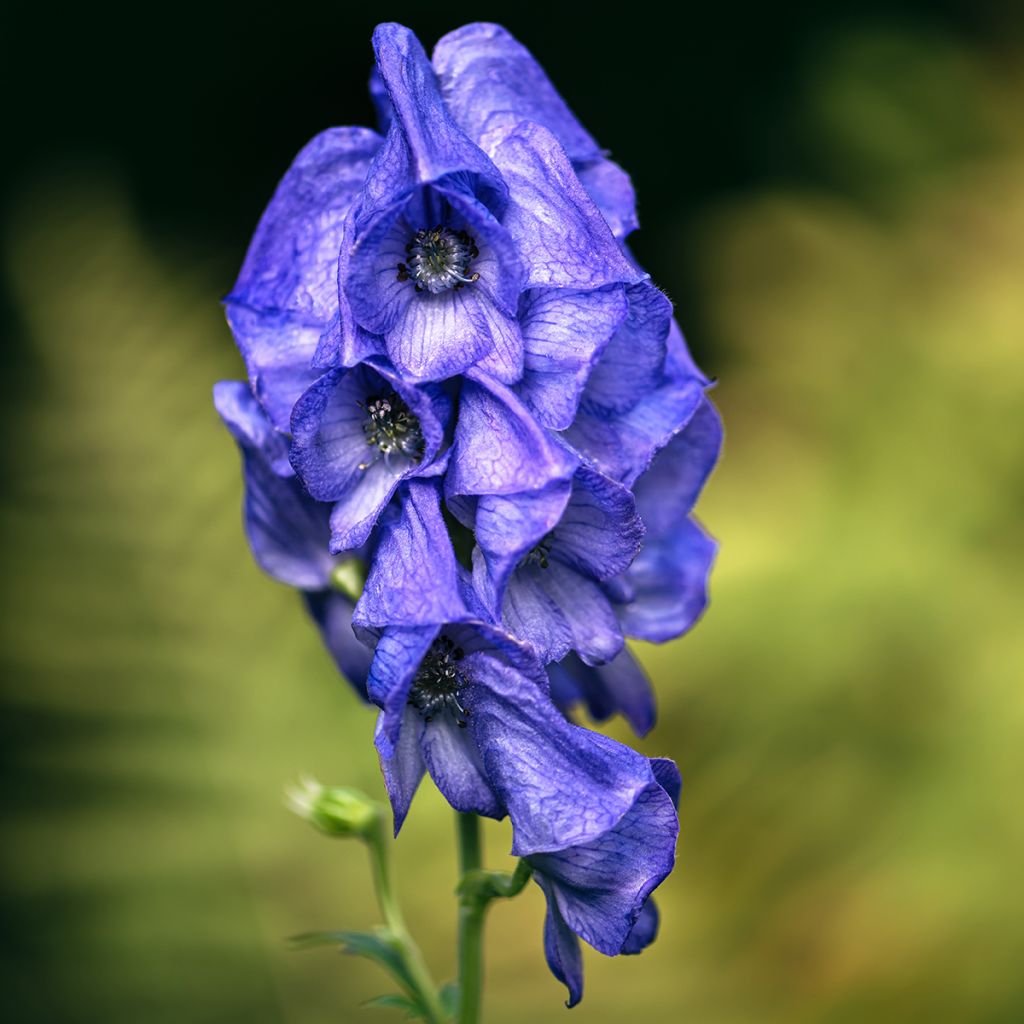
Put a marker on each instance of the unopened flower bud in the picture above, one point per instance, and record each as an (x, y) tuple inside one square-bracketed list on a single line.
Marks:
[(337, 811)]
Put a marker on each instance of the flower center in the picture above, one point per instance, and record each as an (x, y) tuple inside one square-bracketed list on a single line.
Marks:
[(538, 554), (439, 260), (438, 683), (390, 427)]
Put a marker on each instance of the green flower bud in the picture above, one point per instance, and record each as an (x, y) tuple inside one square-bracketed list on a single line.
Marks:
[(336, 811)]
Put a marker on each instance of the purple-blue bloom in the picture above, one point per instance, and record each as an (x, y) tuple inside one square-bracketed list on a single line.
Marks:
[(288, 531), (462, 385)]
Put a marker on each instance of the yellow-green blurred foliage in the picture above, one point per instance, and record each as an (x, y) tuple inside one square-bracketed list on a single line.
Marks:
[(848, 717)]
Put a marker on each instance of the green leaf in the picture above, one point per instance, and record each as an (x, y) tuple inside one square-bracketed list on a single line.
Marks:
[(381, 946), (396, 1002)]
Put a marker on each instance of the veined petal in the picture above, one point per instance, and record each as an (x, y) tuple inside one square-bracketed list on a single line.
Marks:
[(669, 584), (286, 528), (564, 332), (645, 931), (499, 447), (457, 769), (600, 532), (563, 239), (619, 686), (423, 143), (396, 660), (332, 613), (561, 946), (611, 189), (596, 633), (631, 364), (413, 580), (403, 767), (292, 262), (483, 69), (600, 887), (531, 614)]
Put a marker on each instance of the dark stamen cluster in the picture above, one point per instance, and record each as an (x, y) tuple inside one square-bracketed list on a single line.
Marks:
[(439, 259), (391, 428), (539, 554), (438, 682)]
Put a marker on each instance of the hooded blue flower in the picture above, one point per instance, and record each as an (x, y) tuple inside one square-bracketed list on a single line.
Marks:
[(288, 531), (485, 74), (600, 891), (286, 296), (447, 233)]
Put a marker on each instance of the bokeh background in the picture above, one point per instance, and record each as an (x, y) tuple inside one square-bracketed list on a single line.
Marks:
[(833, 194)]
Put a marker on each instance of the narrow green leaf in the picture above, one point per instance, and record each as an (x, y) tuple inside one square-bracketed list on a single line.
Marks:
[(396, 1002)]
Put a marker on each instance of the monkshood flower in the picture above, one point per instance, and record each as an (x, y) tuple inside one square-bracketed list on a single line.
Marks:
[(447, 234), (288, 531), (286, 295), (600, 891), (356, 434), (485, 72), (663, 591)]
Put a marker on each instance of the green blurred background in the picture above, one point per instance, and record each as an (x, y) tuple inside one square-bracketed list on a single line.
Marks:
[(834, 196)]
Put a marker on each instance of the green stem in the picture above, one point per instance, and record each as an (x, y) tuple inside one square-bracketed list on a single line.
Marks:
[(471, 923), (415, 965)]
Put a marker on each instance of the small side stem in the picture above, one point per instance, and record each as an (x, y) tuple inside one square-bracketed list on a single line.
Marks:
[(471, 923), (411, 956)]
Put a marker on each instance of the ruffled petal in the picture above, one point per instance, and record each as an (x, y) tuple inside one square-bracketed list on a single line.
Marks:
[(499, 447), (619, 687), (561, 947), (332, 613), (413, 580), (563, 239), (562, 785), (483, 70), (611, 189), (396, 660), (600, 532), (403, 767), (645, 931), (286, 528), (564, 332), (622, 446), (600, 887), (596, 633), (531, 614), (457, 769), (669, 584), (631, 364)]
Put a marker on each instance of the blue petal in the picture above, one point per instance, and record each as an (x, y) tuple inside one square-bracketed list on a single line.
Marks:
[(600, 887), (668, 583), (531, 614), (645, 931), (561, 235), (596, 633), (292, 262), (600, 532), (413, 580), (612, 191), (499, 447), (483, 70), (330, 452), (507, 527), (332, 613), (403, 767), (457, 769), (631, 364), (564, 332), (679, 363), (381, 101), (287, 530), (423, 143), (620, 686), (666, 493), (395, 663), (562, 785), (622, 446), (561, 947), (666, 774)]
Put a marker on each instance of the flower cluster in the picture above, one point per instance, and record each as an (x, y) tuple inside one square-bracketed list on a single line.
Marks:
[(472, 437)]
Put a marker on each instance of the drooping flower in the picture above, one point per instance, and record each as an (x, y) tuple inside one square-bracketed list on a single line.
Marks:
[(600, 891), (288, 531)]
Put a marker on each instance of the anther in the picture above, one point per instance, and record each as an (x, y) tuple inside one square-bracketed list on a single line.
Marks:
[(439, 260)]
